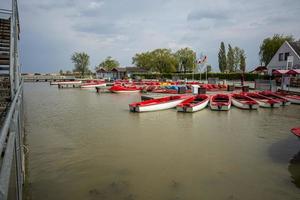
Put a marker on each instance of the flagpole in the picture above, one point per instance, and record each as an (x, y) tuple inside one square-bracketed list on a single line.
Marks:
[(206, 74)]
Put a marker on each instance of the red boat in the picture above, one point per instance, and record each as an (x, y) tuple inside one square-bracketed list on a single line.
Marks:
[(244, 102), (284, 101), (220, 102), (124, 89), (194, 103), (291, 97), (157, 104), (296, 131), (263, 101)]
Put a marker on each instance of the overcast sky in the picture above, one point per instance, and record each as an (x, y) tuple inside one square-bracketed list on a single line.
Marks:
[(51, 30)]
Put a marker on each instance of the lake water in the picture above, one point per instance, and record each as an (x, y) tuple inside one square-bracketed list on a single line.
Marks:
[(84, 145)]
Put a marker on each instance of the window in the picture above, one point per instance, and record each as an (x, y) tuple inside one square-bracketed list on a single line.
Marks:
[(281, 57), (286, 55)]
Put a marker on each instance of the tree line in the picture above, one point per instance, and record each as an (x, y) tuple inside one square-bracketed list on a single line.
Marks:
[(233, 61), (165, 61), (184, 60)]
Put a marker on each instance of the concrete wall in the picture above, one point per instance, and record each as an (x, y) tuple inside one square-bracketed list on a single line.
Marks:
[(276, 64)]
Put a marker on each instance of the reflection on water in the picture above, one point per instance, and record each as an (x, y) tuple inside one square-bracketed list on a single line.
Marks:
[(294, 169), (85, 145)]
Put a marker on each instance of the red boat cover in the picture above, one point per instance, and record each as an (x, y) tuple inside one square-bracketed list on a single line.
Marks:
[(296, 131)]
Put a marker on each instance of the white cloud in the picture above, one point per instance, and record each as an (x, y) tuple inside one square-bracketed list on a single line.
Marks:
[(53, 30)]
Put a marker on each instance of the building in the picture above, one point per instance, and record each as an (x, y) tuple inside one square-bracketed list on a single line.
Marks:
[(119, 72), (286, 57), (262, 70)]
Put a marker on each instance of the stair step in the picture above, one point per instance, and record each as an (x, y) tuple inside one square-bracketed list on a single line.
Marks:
[(4, 31), (4, 21), (4, 50), (3, 28), (5, 34), (4, 45), (4, 62), (4, 41), (4, 68), (4, 57), (5, 37), (3, 105)]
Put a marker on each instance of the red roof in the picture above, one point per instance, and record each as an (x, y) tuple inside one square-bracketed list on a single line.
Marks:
[(261, 68), (294, 71), (280, 71)]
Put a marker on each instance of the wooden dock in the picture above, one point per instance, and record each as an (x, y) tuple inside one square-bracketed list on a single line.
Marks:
[(68, 85)]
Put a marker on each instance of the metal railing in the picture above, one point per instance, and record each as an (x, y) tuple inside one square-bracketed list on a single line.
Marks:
[(12, 161), (14, 48), (11, 147)]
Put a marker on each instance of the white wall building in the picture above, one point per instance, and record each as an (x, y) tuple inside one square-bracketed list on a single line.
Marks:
[(287, 57)]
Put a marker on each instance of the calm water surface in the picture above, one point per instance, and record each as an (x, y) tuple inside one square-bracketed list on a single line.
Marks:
[(85, 145)]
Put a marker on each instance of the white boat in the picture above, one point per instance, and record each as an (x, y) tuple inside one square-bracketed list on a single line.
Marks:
[(283, 101), (264, 101), (194, 103), (124, 89), (221, 102), (244, 102), (65, 82), (295, 99), (157, 104), (92, 85)]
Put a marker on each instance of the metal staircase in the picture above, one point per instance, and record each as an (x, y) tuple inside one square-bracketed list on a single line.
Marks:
[(5, 97), (12, 159)]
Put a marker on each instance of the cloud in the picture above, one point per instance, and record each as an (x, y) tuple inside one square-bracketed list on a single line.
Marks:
[(206, 14), (53, 30)]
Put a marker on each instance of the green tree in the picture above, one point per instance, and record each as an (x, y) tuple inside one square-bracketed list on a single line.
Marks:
[(109, 63), (81, 62), (61, 72), (269, 47), (236, 56), (242, 61), (186, 58), (164, 61), (230, 59), (208, 68), (143, 60), (222, 57)]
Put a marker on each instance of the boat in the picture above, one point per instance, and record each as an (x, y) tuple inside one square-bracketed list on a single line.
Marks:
[(283, 101), (295, 99), (157, 104), (263, 101), (124, 89), (296, 131), (220, 102), (93, 84), (64, 82), (244, 102), (194, 103)]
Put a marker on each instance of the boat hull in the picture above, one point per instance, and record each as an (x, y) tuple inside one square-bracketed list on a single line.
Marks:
[(220, 102), (156, 107), (220, 107), (244, 106), (125, 91), (265, 104), (282, 100), (65, 82), (193, 108), (93, 86), (293, 100)]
